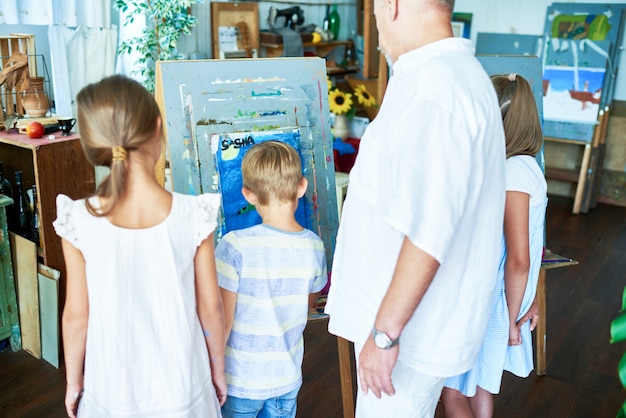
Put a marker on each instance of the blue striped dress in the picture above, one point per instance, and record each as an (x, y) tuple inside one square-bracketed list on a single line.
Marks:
[(523, 175)]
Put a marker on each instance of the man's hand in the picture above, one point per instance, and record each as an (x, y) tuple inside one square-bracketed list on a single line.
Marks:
[(375, 366)]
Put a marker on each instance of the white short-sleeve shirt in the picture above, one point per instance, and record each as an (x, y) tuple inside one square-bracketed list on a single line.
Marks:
[(430, 167)]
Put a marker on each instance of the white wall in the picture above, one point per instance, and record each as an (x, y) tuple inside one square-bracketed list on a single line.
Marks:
[(525, 17)]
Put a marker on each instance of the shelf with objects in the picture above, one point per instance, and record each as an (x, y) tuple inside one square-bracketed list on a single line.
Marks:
[(53, 164), (53, 161), (323, 49), (44, 162), (287, 36)]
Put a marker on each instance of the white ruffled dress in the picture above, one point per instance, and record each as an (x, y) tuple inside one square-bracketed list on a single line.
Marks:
[(146, 355)]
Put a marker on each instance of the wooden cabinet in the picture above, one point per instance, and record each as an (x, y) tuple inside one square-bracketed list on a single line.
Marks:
[(55, 166), (8, 302)]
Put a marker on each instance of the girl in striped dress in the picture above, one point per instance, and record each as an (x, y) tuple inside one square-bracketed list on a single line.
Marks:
[(508, 342)]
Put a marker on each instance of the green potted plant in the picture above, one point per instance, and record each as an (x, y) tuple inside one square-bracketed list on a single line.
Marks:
[(166, 21), (618, 333)]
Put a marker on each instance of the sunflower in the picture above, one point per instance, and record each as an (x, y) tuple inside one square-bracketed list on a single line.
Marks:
[(340, 102), (329, 83), (364, 97)]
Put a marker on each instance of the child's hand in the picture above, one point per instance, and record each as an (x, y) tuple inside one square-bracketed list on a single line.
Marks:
[(73, 394), (532, 315), (221, 389), (515, 337)]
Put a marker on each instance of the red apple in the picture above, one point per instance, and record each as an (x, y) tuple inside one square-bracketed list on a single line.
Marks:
[(35, 130)]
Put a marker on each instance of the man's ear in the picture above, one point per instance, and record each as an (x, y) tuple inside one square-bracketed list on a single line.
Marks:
[(249, 196), (392, 8), (304, 183)]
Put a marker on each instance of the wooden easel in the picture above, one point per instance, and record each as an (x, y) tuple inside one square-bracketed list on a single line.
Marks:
[(587, 178)]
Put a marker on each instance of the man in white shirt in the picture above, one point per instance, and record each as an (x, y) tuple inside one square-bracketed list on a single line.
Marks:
[(418, 245)]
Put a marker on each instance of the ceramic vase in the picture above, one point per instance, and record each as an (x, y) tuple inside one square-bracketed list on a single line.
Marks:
[(340, 128), (35, 100)]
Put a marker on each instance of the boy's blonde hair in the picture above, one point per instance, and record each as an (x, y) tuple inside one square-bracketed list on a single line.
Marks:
[(522, 128), (114, 112), (272, 170)]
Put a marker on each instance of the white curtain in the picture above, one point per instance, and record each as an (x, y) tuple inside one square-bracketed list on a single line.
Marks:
[(26, 12), (91, 13), (82, 41), (79, 56)]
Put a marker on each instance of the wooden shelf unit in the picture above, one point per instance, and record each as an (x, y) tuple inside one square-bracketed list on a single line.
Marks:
[(54, 166), (322, 49)]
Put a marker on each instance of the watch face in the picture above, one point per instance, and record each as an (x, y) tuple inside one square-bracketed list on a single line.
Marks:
[(381, 340)]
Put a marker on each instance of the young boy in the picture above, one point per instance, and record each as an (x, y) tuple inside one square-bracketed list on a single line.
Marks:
[(269, 275)]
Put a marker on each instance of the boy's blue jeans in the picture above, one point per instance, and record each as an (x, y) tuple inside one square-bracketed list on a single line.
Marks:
[(283, 406)]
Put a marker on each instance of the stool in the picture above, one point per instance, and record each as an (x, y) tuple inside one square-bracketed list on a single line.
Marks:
[(341, 186)]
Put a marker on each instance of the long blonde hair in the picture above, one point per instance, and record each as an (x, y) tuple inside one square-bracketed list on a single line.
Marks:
[(522, 128), (112, 113)]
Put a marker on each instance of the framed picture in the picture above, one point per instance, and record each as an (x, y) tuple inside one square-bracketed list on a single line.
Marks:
[(462, 24)]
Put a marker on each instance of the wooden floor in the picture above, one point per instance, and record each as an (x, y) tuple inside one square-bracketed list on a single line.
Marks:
[(581, 378)]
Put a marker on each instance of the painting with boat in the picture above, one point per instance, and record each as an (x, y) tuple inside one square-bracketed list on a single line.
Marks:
[(573, 78)]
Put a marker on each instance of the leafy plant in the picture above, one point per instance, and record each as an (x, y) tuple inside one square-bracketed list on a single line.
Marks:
[(618, 333), (166, 21)]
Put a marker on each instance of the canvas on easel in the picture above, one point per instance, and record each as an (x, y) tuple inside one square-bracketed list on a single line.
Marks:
[(214, 110), (593, 22), (574, 73)]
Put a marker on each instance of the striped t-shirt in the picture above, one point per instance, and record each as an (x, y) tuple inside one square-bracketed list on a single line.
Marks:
[(273, 272)]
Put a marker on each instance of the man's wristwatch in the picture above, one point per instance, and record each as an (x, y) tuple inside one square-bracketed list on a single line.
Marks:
[(382, 340)]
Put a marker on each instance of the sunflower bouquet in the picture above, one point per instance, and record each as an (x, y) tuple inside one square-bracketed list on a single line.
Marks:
[(342, 102)]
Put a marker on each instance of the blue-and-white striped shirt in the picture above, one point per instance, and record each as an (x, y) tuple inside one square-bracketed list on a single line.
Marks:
[(273, 272)]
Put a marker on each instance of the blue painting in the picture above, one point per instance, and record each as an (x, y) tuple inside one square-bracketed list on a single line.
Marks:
[(230, 149)]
